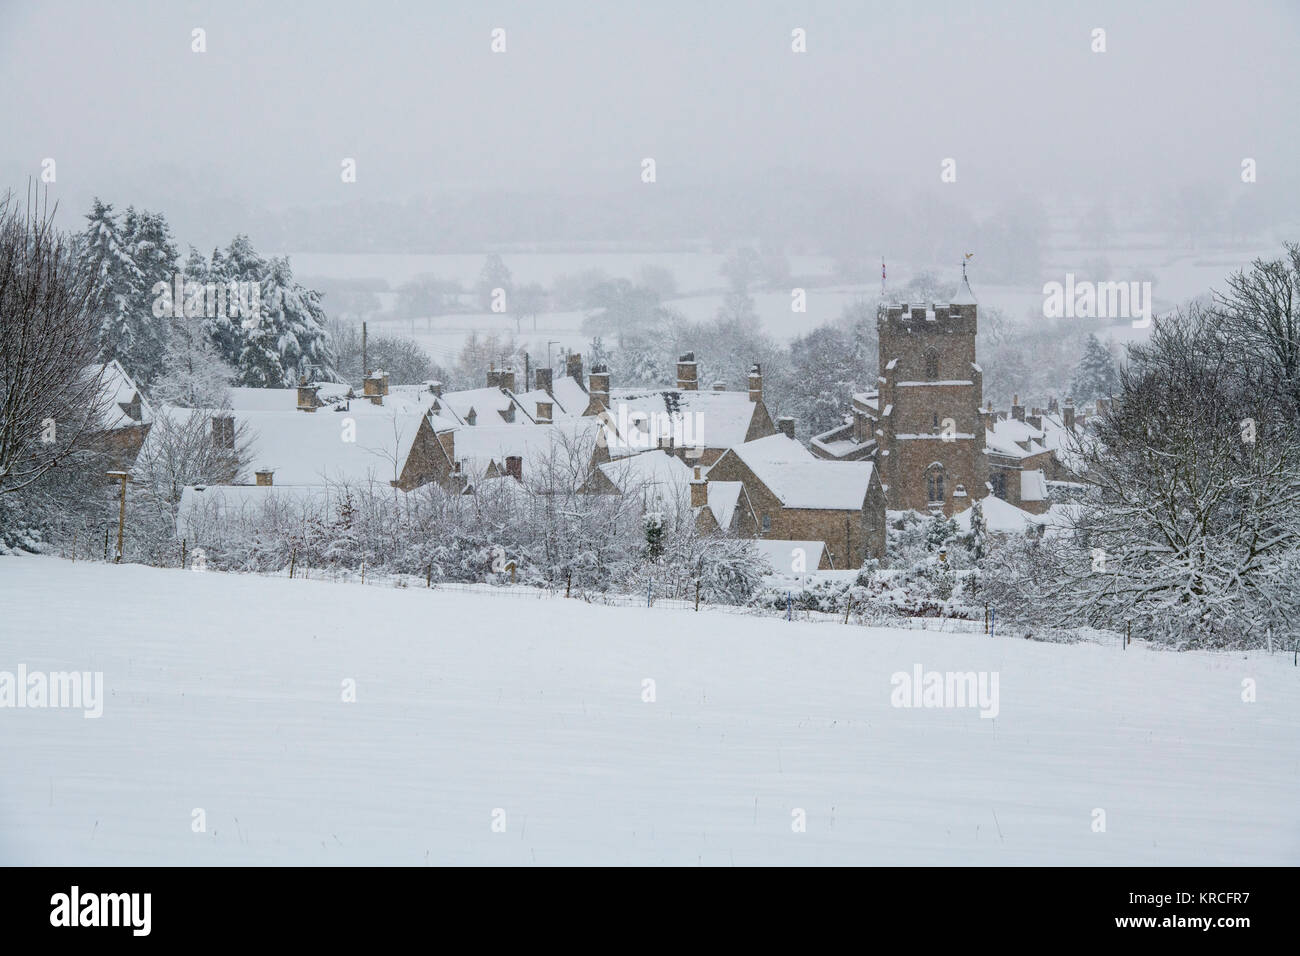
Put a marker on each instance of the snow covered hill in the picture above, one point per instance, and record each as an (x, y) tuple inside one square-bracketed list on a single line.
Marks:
[(224, 694)]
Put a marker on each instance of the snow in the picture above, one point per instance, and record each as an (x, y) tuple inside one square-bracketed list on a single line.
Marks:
[(801, 481), (118, 389), (999, 515), (223, 693), (281, 399), (1033, 485), (201, 504), (723, 498), (569, 443), (663, 479), (724, 417), (489, 404)]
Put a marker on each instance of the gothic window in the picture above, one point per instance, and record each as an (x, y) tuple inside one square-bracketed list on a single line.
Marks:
[(931, 363), (934, 483), (767, 523)]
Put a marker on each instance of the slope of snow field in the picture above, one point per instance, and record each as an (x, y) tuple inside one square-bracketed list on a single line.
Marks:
[(223, 692)]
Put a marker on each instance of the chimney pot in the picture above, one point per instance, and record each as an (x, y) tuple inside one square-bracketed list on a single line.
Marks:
[(515, 467), (265, 476), (785, 424)]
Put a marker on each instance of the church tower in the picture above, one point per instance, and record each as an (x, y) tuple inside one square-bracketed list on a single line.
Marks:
[(931, 435)]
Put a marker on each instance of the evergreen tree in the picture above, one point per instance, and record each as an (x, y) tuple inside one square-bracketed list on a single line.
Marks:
[(287, 339), (148, 240), (1095, 376), (105, 256)]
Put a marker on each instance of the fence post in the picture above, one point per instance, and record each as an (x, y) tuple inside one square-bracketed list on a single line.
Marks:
[(848, 609), (568, 583), (363, 572), (697, 594), (789, 606), (105, 544), (1128, 634), (986, 618), (74, 547), (182, 554), (648, 588), (993, 621), (293, 559), (428, 577)]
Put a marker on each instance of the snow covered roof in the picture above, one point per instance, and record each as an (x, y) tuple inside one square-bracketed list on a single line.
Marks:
[(724, 416), (664, 479), (1033, 485), (529, 400), (309, 448), (1000, 442), (244, 399), (999, 516), (573, 398), (117, 392), (781, 555), (800, 480), (565, 447), (490, 405), (723, 498)]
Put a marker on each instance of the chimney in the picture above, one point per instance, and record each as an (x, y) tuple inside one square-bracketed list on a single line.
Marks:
[(687, 373), (1067, 414), (435, 388), (544, 411), (987, 416), (598, 385), (719, 386), (375, 387), (1035, 419), (573, 366), (265, 477), (1053, 406), (755, 383), (307, 400), (1103, 406), (1017, 410), (515, 467), (699, 489), (502, 379), (785, 424), (543, 378), (223, 431)]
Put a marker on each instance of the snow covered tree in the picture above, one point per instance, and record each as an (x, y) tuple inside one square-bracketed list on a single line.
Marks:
[(117, 288), (1095, 376), (287, 339), (1193, 529), (194, 374), (977, 536)]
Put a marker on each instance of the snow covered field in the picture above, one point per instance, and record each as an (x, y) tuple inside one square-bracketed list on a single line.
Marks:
[(225, 693)]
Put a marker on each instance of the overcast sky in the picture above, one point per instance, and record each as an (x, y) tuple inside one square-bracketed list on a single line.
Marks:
[(711, 90)]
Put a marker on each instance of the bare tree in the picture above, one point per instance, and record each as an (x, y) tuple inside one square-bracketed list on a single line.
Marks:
[(50, 404)]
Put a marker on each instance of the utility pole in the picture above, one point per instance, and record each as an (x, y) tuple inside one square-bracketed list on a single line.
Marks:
[(528, 371), (124, 477), (365, 364)]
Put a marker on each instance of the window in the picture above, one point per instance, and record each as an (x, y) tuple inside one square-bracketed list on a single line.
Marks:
[(931, 363), (999, 483), (767, 523), (934, 483)]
